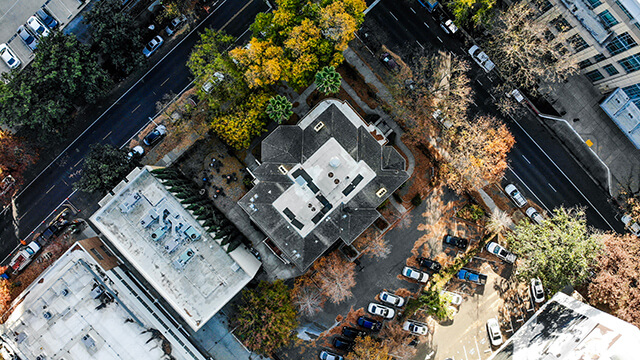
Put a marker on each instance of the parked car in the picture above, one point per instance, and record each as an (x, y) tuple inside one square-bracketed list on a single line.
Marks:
[(429, 264), (327, 355), (502, 253), (481, 58), (9, 57), (175, 24), (537, 291), (342, 343), (389, 62), (23, 257), (472, 276), (534, 215), (381, 310), (369, 323), (415, 328), (456, 241), (392, 299), (155, 136), (415, 274), (136, 152), (38, 27), (454, 299), (448, 26), (631, 224), (353, 333), (47, 18), (515, 195), (27, 38), (493, 329), (153, 45)]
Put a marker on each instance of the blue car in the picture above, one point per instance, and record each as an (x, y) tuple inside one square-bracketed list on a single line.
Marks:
[(370, 324), (472, 276), (47, 19)]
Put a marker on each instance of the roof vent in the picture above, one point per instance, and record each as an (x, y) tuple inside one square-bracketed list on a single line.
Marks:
[(283, 169), (334, 162), (318, 126), (381, 192)]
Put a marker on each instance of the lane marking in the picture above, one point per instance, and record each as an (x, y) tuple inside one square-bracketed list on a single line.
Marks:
[(552, 188), (106, 136), (51, 188), (76, 164), (366, 11), (420, 44), (525, 158), (412, 9), (479, 82), (562, 172), (440, 39), (134, 110), (165, 81), (393, 16), (528, 188), (493, 97), (427, 25)]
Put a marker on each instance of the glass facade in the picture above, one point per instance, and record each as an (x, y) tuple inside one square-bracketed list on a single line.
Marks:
[(624, 10), (607, 19), (584, 63), (630, 63), (594, 75), (593, 3), (633, 92), (620, 43), (611, 70)]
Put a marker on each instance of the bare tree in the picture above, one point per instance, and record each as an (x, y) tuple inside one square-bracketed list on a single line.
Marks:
[(526, 52), (499, 222), (374, 244), (398, 341), (335, 277), (307, 297)]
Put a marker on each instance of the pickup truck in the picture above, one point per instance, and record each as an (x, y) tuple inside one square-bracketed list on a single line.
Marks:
[(23, 257), (472, 276)]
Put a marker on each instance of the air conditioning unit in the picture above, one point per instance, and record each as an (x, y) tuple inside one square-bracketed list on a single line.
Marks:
[(380, 193), (283, 169), (318, 126)]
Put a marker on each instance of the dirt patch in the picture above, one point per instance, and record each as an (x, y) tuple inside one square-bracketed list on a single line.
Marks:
[(365, 91), (420, 181)]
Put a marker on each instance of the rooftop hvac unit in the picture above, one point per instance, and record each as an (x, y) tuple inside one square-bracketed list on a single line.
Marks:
[(283, 169), (318, 126), (334, 162), (381, 192)]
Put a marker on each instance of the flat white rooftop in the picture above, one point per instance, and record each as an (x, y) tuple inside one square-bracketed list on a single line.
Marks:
[(59, 317), (171, 250)]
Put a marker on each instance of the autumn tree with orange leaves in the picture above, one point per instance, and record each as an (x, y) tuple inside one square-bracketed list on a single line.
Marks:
[(335, 277), (368, 348), (15, 157), (307, 297), (5, 295)]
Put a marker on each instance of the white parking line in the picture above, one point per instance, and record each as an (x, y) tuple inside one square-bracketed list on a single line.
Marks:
[(525, 159), (479, 82), (420, 44), (528, 188), (393, 16), (427, 25), (412, 9), (477, 347), (440, 39), (465, 352), (554, 190)]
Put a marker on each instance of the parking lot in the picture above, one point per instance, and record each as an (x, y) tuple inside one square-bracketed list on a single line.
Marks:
[(15, 13)]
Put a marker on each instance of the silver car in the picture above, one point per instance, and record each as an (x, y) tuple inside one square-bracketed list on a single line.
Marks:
[(493, 328), (27, 38), (515, 195), (38, 27), (152, 46), (9, 57), (534, 215)]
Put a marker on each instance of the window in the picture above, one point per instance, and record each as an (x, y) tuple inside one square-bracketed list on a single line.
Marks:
[(584, 63), (633, 92), (630, 63), (611, 70), (607, 19), (620, 43), (624, 10), (578, 43), (97, 254), (543, 5), (594, 75), (561, 24), (599, 58), (106, 251), (593, 3)]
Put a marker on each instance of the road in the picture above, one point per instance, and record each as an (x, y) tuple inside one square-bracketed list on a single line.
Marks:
[(539, 165), (128, 115)]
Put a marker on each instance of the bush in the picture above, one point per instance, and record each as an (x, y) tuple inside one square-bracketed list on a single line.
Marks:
[(471, 212), (416, 200)]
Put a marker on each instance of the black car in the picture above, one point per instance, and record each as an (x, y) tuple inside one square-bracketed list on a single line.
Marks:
[(389, 62), (456, 241), (352, 332), (342, 344), (156, 135), (429, 264), (370, 324)]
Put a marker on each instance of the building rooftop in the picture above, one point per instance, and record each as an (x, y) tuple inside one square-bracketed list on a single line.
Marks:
[(624, 113), (322, 180), (70, 312), (567, 329), (171, 250)]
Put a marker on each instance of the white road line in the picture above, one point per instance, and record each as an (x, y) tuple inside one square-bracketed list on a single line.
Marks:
[(477, 348), (427, 25), (527, 160), (420, 44), (393, 16), (479, 82), (562, 172), (465, 352), (440, 39), (493, 97), (412, 9), (120, 98), (552, 188), (531, 191), (365, 12)]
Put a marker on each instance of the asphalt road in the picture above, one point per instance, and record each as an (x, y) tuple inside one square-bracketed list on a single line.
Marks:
[(128, 115), (539, 165)]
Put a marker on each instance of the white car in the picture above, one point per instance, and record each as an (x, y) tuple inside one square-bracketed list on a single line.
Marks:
[(630, 224), (453, 298), (534, 215), (327, 355), (415, 274), (381, 310), (153, 45), (502, 253), (537, 292), (481, 58), (38, 27), (9, 57), (449, 27), (493, 328), (415, 328), (515, 195), (392, 299)]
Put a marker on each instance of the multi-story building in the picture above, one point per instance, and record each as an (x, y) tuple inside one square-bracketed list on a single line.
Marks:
[(604, 35)]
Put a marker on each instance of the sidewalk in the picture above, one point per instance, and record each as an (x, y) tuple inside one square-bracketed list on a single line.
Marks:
[(583, 122)]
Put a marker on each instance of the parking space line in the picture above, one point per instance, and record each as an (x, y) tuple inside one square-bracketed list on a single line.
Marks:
[(420, 44), (412, 9), (552, 188), (440, 39), (477, 347), (76, 164), (479, 82), (425, 24), (525, 159), (465, 352), (393, 16)]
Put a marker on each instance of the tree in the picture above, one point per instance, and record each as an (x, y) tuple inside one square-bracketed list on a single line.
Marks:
[(116, 37), (62, 75), (376, 246), (618, 273), (307, 297), (335, 277), (472, 12), (561, 251), (630, 202), (15, 157), (328, 80), (368, 348), (279, 109), (499, 222), (519, 46), (5, 296), (398, 340), (238, 125), (266, 319), (103, 168)]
